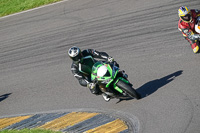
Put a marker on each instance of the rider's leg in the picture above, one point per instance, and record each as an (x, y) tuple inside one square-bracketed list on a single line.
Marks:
[(194, 45)]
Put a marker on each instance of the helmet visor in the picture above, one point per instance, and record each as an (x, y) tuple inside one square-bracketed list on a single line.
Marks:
[(186, 17), (77, 58)]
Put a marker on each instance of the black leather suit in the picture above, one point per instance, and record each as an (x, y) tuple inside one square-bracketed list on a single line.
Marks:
[(82, 69)]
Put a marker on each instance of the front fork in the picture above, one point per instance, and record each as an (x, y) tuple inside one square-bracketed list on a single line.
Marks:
[(116, 87)]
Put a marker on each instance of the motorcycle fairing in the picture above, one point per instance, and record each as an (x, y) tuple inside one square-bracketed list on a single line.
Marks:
[(85, 65)]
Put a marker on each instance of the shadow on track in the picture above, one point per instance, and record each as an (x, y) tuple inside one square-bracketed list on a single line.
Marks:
[(152, 86), (3, 97)]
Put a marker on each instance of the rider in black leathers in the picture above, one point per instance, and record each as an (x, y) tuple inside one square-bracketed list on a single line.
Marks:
[(78, 65)]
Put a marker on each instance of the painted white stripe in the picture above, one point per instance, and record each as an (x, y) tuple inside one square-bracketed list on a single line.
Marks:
[(33, 9)]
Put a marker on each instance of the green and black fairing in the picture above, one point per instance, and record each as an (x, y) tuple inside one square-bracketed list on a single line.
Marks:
[(112, 80), (86, 64), (106, 77)]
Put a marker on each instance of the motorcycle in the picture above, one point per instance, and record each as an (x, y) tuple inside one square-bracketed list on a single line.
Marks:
[(195, 46), (111, 81)]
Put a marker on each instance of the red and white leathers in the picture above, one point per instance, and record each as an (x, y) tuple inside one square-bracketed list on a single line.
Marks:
[(188, 30)]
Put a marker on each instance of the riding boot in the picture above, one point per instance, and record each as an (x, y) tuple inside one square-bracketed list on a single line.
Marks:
[(106, 97)]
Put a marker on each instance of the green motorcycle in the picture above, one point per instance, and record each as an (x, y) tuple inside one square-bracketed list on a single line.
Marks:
[(111, 81)]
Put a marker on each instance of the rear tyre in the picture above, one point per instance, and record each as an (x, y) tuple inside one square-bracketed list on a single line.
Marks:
[(128, 89)]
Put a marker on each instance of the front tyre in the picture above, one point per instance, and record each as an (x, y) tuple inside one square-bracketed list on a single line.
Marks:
[(128, 89)]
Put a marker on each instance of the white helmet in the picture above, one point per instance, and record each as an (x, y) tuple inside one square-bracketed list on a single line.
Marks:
[(75, 53), (197, 25)]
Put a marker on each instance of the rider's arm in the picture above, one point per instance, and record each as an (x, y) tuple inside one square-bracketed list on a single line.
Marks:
[(97, 54), (79, 75)]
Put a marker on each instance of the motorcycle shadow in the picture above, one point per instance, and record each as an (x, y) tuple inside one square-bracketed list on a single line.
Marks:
[(124, 99), (152, 86), (3, 97)]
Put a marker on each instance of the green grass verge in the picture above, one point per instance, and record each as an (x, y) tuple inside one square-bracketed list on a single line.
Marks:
[(13, 6), (29, 131)]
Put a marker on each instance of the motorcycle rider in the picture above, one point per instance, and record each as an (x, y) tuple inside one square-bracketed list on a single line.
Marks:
[(186, 25), (85, 60)]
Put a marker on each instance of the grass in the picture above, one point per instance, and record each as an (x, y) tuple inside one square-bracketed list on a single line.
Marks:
[(29, 131), (8, 7)]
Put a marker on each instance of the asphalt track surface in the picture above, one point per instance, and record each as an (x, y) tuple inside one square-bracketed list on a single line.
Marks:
[(141, 35)]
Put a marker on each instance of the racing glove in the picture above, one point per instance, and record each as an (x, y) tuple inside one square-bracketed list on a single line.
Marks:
[(110, 59), (91, 86)]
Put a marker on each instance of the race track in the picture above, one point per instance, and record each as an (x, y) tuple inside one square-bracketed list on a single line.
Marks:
[(141, 35)]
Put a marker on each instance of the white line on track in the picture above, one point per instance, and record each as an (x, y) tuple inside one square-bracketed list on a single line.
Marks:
[(33, 9)]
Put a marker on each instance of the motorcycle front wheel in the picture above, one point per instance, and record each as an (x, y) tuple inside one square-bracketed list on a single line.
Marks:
[(127, 88)]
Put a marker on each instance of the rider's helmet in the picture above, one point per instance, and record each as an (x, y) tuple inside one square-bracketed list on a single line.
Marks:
[(75, 53), (185, 14)]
